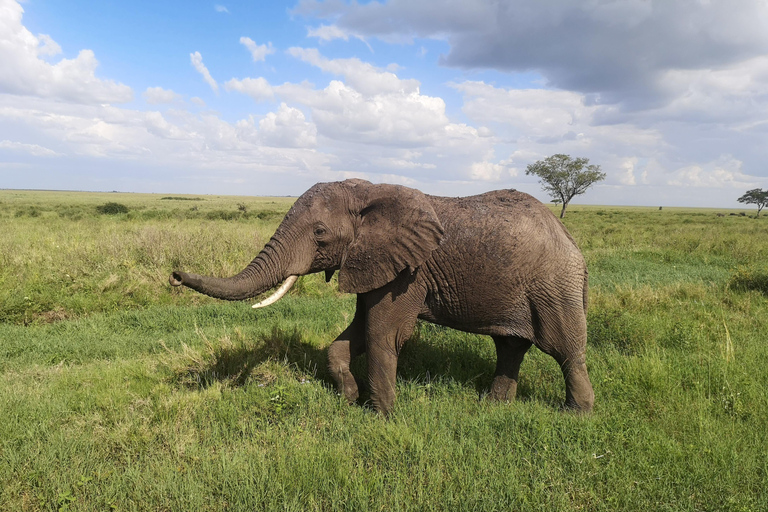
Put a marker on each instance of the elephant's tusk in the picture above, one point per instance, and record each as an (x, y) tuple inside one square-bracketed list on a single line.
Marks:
[(278, 293)]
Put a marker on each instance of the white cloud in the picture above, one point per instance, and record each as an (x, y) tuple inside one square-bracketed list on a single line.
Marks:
[(487, 171), (373, 106), (725, 172), (375, 122), (627, 174), (176, 141), (287, 128), (534, 113), (200, 102), (48, 46), (156, 124), (258, 52), (328, 33), (362, 76), (155, 95), (197, 62), (410, 119), (257, 88), (32, 149), (221, 8), (25, 73)]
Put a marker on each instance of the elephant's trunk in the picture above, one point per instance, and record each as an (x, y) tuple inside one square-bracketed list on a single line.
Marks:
[(261, 274)]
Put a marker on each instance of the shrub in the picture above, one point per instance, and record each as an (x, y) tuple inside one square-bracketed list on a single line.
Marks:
[(112, 208), (745, 279)]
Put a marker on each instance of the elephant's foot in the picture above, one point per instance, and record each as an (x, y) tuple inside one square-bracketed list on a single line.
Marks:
[(346, 384), (349, 389), (579, 395), (510, 351), (340, 354), (503, 389)]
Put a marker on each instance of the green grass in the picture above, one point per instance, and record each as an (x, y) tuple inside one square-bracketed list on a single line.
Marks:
[(120, 393)]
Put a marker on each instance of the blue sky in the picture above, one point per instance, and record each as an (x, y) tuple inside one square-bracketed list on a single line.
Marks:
[(455, 97)]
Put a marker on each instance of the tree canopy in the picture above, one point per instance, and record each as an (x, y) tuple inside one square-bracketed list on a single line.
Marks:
[(563, 177), (756, 196)]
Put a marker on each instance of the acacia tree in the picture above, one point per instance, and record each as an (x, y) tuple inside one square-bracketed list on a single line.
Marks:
[(755, 196), (563, 177)]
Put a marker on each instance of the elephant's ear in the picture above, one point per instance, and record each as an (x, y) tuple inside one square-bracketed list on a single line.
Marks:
[(398, 229)]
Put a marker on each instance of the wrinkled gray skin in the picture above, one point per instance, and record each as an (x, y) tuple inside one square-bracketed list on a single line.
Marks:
[(498, 264)]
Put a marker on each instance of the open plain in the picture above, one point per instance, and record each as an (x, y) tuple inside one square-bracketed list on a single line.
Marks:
[(120, 393)]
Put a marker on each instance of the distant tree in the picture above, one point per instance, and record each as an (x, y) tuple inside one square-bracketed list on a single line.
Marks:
[(563, 177), (755, 196)]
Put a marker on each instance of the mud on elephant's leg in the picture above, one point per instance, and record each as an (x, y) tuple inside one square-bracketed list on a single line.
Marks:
[(348, 345), (510, 351)]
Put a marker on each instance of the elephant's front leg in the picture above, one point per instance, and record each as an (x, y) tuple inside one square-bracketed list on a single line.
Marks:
[(510, 351), (392, 313), (348, 345)]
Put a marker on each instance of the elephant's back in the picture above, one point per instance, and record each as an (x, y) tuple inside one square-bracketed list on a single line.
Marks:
[(504, 217)]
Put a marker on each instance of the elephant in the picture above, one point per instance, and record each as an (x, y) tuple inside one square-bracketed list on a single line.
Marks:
[(498, 264)]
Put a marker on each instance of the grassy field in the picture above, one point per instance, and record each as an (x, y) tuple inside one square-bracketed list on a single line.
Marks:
[(120, 393)]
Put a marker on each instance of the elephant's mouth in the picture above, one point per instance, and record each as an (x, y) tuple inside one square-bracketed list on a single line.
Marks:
[(175, 279)]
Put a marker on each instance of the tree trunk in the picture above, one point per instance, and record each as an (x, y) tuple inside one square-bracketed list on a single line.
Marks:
[(562, 212)]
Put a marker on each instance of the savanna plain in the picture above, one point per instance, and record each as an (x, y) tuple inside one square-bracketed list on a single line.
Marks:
[(120, 393)]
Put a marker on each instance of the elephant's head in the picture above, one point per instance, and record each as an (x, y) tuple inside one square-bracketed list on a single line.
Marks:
[(369, 233)]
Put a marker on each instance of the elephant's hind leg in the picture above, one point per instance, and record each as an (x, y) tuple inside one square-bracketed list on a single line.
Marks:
[(348, 345), (563, 335), (510, 351)]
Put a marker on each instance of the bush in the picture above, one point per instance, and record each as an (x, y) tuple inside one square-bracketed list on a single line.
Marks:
[(112, 208), (745, 279)]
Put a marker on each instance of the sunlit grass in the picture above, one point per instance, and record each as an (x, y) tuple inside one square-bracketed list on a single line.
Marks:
[(118, 392)]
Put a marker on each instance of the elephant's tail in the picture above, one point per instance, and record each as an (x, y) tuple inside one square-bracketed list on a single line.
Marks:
[(586, 290)]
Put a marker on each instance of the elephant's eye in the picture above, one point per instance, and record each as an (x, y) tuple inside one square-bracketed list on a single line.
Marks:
[(319, 231)]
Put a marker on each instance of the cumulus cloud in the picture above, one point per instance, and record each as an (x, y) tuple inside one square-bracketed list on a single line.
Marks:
[(725, 172), (362, 76), (48, 46), (26, 73), (374, 121), (257, 88), (286, 128), (535, 123), (280, 142), (197, 62), (258, 52), (328, 33), (32, 149), (370, 105), (155, 95), (488, 171)]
